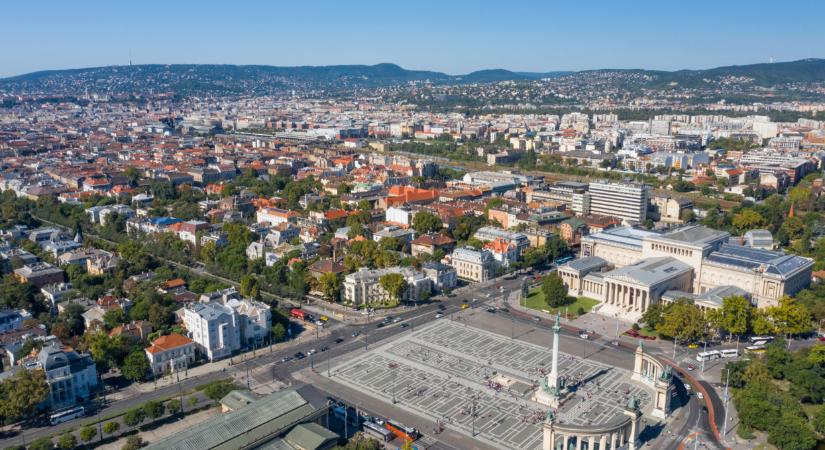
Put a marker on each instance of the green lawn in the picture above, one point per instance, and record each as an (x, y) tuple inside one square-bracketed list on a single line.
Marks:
[(535, 300)]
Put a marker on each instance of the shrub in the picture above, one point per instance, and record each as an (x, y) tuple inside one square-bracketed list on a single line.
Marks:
[(88, 433), (635, 326), (41, 444), (133, 443), (173, 406), (134, 417), (580, 311), (67, 441), (153, 409), (111, 427)]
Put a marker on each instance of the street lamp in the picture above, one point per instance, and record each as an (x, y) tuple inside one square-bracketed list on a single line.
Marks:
[(725, 400), (704, 350), (393, 366)]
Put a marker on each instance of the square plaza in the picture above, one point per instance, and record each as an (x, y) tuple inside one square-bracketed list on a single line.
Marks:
[(445, 370)]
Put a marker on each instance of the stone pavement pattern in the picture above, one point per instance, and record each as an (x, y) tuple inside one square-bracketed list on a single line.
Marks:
[(441, 370)]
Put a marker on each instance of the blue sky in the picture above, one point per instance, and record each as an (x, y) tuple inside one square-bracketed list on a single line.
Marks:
[(450, 36)]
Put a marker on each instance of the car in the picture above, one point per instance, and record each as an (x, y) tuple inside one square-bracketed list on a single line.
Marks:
[(355, 333), (404, 325), (323, 318), (339, 340), (504, 310), (284, 359), (700, 396), (442, 307), (693, 345), (687, 387), (300, 355), (438, 315), (320, 323), (690, 367), (381, 325), (821, 339), (584, 335), (491, 310), (312, 352), (323, 349), (464, 306), (537, 319), (396, 320)]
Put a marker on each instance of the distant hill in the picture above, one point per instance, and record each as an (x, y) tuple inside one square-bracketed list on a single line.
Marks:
[(217, 79)]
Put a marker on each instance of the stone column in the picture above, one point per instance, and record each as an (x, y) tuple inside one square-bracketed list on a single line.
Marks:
[(613, 441), (603, 442), (566, 446), (578, 442), (591, 443)]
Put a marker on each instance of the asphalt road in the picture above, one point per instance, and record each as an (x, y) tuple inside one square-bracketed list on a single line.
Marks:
[(267, 366)]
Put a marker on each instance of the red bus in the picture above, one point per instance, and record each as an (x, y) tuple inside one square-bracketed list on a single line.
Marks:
[(298, 313), (402, 431)]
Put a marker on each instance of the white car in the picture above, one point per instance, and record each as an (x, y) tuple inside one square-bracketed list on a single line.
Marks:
[(438, 315), (584, 335), (700, 396)]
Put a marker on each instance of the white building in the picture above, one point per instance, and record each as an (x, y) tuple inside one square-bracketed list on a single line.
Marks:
[(625, 201), (71, 376), (473, 265), (170, 353), (256, 319), (215, 328), (364, 286)]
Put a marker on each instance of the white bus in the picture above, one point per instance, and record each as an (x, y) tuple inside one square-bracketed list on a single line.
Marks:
[(378, 432), (707, 356), (760, 339), (66, 415), (729, 353)]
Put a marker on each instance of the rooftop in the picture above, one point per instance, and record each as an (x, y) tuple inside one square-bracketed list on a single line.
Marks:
[(650, 271), (695, 234), (754, 259)]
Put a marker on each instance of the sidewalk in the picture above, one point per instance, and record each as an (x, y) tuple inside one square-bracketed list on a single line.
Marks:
[(207, 368)]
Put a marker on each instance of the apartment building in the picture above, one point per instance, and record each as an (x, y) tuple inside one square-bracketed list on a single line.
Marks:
[(473, 265), (364, 287), (625, 201), (215, 328)]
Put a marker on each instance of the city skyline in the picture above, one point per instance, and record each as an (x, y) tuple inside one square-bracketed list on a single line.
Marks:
[(453, 38)]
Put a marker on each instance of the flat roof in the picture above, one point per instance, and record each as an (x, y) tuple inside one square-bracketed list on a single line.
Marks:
[(694, 234), (749, 258), (628, 236), (650, 271)]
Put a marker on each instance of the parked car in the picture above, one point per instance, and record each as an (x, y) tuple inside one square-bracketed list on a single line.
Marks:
[(339, 340), (438, 315), (300, 355)]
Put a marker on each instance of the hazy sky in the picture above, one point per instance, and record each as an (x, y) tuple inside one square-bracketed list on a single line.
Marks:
[(450, 36)]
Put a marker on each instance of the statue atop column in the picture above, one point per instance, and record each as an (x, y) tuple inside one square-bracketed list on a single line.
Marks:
[(551, 387)]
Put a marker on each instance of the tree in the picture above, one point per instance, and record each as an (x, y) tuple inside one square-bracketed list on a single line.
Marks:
[(818, 421), (361, 442), (394, 284), (154, 409), (554, 290), (330, 286), (133, 442), (249, 286), (43, 443), (136, 366), (67, 441), (791, 432), (134, 417), (21, 393), (426, 222), (736, 314), (355, 230), (88, 433), (173, 406), (278, 332), (218, 390), (748, 220), (762, 323), (111, 427), (653, 316), (816, 356), (682, 320), (790, 317)]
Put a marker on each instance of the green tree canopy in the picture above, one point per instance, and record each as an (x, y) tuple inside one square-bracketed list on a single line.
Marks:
[(394, 284), (426, 222), (554, 290)]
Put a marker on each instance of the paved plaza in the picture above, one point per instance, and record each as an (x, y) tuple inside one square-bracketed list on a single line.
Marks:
[(444, 370)]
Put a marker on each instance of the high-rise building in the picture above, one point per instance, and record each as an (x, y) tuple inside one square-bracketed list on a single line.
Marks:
[(627, 201)]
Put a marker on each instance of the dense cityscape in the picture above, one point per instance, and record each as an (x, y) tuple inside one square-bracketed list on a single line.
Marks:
[(200, 256)]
